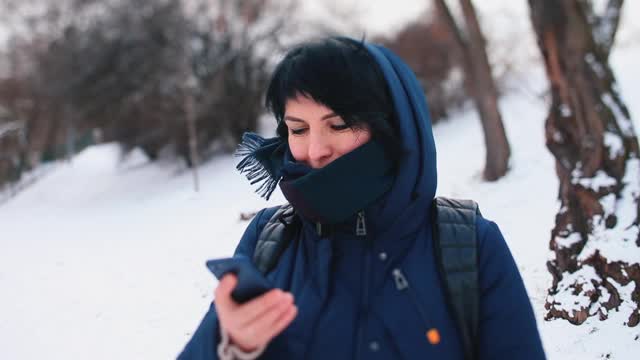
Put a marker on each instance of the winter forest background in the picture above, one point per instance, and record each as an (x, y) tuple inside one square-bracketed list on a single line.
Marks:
[(118, 120)]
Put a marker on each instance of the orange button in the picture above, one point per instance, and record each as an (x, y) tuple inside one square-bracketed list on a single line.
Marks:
[(433, 335)]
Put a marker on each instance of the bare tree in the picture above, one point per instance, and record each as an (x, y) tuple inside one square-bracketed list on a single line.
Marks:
[(589, 131), (182, 76), (190, 118), (429, 49), (480, 84)]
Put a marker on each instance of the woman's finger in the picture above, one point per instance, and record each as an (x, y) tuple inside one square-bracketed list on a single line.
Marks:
[(224, 289), (282, 322), (262, 329), (248, 312)]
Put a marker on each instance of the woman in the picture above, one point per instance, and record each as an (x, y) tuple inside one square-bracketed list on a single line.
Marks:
[(356, 159)]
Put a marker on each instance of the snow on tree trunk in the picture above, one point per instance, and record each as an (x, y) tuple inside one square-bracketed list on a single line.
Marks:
[(596, 239)]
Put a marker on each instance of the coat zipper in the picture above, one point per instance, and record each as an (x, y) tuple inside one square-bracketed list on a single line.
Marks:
[(361, 230), (361, 225), (402, 284)]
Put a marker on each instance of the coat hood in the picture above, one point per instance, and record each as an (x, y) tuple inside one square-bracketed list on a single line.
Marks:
[(416, 178)]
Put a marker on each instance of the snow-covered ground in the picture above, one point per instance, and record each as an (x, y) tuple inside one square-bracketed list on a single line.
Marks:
[(104, 259)]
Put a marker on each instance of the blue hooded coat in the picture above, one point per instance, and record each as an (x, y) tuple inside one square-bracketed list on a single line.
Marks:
[(345, 285)]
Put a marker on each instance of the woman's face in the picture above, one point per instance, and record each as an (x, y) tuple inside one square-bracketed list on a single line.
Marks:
[(317, 136)]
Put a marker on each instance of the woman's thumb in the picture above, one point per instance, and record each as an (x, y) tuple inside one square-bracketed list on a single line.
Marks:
[(226, 286)]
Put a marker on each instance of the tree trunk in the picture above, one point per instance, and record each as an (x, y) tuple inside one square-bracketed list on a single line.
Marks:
[(480, 85), (192, 135), (70, 133), (589, 132)]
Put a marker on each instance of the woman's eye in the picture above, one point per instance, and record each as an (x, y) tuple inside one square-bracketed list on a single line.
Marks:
[(340, 127), (298, 131)]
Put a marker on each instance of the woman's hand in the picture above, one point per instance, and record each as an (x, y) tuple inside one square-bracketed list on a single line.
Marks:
[(254, 323)]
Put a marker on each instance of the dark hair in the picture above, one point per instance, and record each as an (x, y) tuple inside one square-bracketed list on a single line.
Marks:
[(340, 74)]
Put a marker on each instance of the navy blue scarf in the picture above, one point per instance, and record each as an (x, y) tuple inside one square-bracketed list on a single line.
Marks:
[(328, 195)]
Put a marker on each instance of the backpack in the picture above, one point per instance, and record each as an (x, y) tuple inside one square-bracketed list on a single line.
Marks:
[(455, 248)]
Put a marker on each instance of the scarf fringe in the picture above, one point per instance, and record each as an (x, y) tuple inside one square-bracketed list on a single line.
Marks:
[(252, 165)]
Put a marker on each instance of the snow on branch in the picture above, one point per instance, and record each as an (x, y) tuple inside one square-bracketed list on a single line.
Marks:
[(8, 128)]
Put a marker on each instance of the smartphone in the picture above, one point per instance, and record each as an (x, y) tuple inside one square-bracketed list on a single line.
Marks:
[(251, 282)]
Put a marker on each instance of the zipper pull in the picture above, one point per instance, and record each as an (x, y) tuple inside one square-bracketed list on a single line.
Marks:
[(401, 281), (361, 227)]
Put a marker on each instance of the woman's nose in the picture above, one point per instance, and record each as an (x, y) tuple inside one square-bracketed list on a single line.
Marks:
[(319, 151)]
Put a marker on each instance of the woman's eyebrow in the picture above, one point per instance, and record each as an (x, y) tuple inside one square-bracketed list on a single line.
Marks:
[(324, 117), (292, 118), (329, 115)]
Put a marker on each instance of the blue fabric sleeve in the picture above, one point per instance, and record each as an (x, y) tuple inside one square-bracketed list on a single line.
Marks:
[(204, 342), (508, 327)]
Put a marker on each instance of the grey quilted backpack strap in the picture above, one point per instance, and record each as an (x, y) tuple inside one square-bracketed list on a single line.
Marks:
[(456, 251), (274, 238)]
